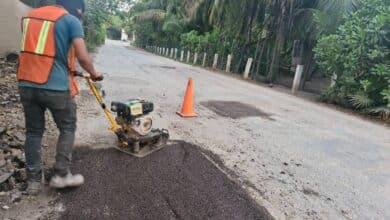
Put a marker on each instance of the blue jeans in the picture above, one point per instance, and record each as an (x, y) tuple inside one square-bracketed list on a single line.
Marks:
[(63, 109)]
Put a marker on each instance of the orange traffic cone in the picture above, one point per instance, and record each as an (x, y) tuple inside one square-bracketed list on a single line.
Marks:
[(187, 110)]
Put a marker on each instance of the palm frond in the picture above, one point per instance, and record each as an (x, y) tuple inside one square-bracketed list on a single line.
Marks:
[(330, 6), (150, 15), (216, 10), (191, 7), (383, 112), (173, 25), (360, 101)]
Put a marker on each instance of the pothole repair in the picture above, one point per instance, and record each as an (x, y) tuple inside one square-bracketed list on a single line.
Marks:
[(177, 182), (163, 66), (235, 110)]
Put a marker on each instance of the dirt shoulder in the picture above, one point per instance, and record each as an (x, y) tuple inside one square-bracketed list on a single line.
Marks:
[(13, 203)]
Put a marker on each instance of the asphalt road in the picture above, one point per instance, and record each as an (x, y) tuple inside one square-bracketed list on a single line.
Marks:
[(177, 182), (299, 159)]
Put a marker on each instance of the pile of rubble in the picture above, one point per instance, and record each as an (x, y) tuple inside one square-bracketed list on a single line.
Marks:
[(12, 160)]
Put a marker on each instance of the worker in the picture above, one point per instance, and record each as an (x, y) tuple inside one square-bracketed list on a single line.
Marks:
[(51, 40)]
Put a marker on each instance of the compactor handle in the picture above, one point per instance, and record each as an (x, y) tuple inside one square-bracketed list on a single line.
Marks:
[(86, 75)]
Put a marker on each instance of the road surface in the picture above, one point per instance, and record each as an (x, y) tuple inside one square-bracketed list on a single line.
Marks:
[(299, 159)]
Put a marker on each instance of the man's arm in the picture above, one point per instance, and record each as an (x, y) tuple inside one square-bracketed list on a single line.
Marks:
[(84, 59)]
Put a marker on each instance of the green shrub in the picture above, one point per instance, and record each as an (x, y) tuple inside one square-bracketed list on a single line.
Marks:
[(94, 24), (358, 54)]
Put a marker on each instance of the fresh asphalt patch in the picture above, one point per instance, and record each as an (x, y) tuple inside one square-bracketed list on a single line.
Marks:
[(177, 182), (235, 110)]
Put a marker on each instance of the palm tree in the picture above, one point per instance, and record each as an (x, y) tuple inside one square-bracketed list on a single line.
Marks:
[(263, 29)]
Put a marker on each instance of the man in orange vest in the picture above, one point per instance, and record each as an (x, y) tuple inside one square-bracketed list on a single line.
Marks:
[(52, 39)]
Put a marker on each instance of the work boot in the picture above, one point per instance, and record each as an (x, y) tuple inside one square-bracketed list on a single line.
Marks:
[(34, 187), (69, 180)]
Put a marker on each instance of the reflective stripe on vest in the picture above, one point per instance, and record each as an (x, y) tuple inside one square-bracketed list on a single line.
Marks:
[(42, 39), (26, 22)]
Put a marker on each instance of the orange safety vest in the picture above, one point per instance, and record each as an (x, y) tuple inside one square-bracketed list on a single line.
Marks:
[(38, 49)]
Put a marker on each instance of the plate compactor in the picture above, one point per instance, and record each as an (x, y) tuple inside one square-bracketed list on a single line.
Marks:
[(132, 125)]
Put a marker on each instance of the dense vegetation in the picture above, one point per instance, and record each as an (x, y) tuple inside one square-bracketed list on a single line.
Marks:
[(358, 57), (343, 40), (346, 39)]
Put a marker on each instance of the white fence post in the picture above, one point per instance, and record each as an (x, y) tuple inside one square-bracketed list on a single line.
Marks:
[(215, 62), (172, 51), (175, 53), (248, 68), (188, 56), (182, 56), (204, 59), (167, 52), (333, 80), (297, 79), (195, 58), (229, 62)]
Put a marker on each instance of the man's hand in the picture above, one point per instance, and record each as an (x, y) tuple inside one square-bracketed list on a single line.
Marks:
[(97, 77)]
